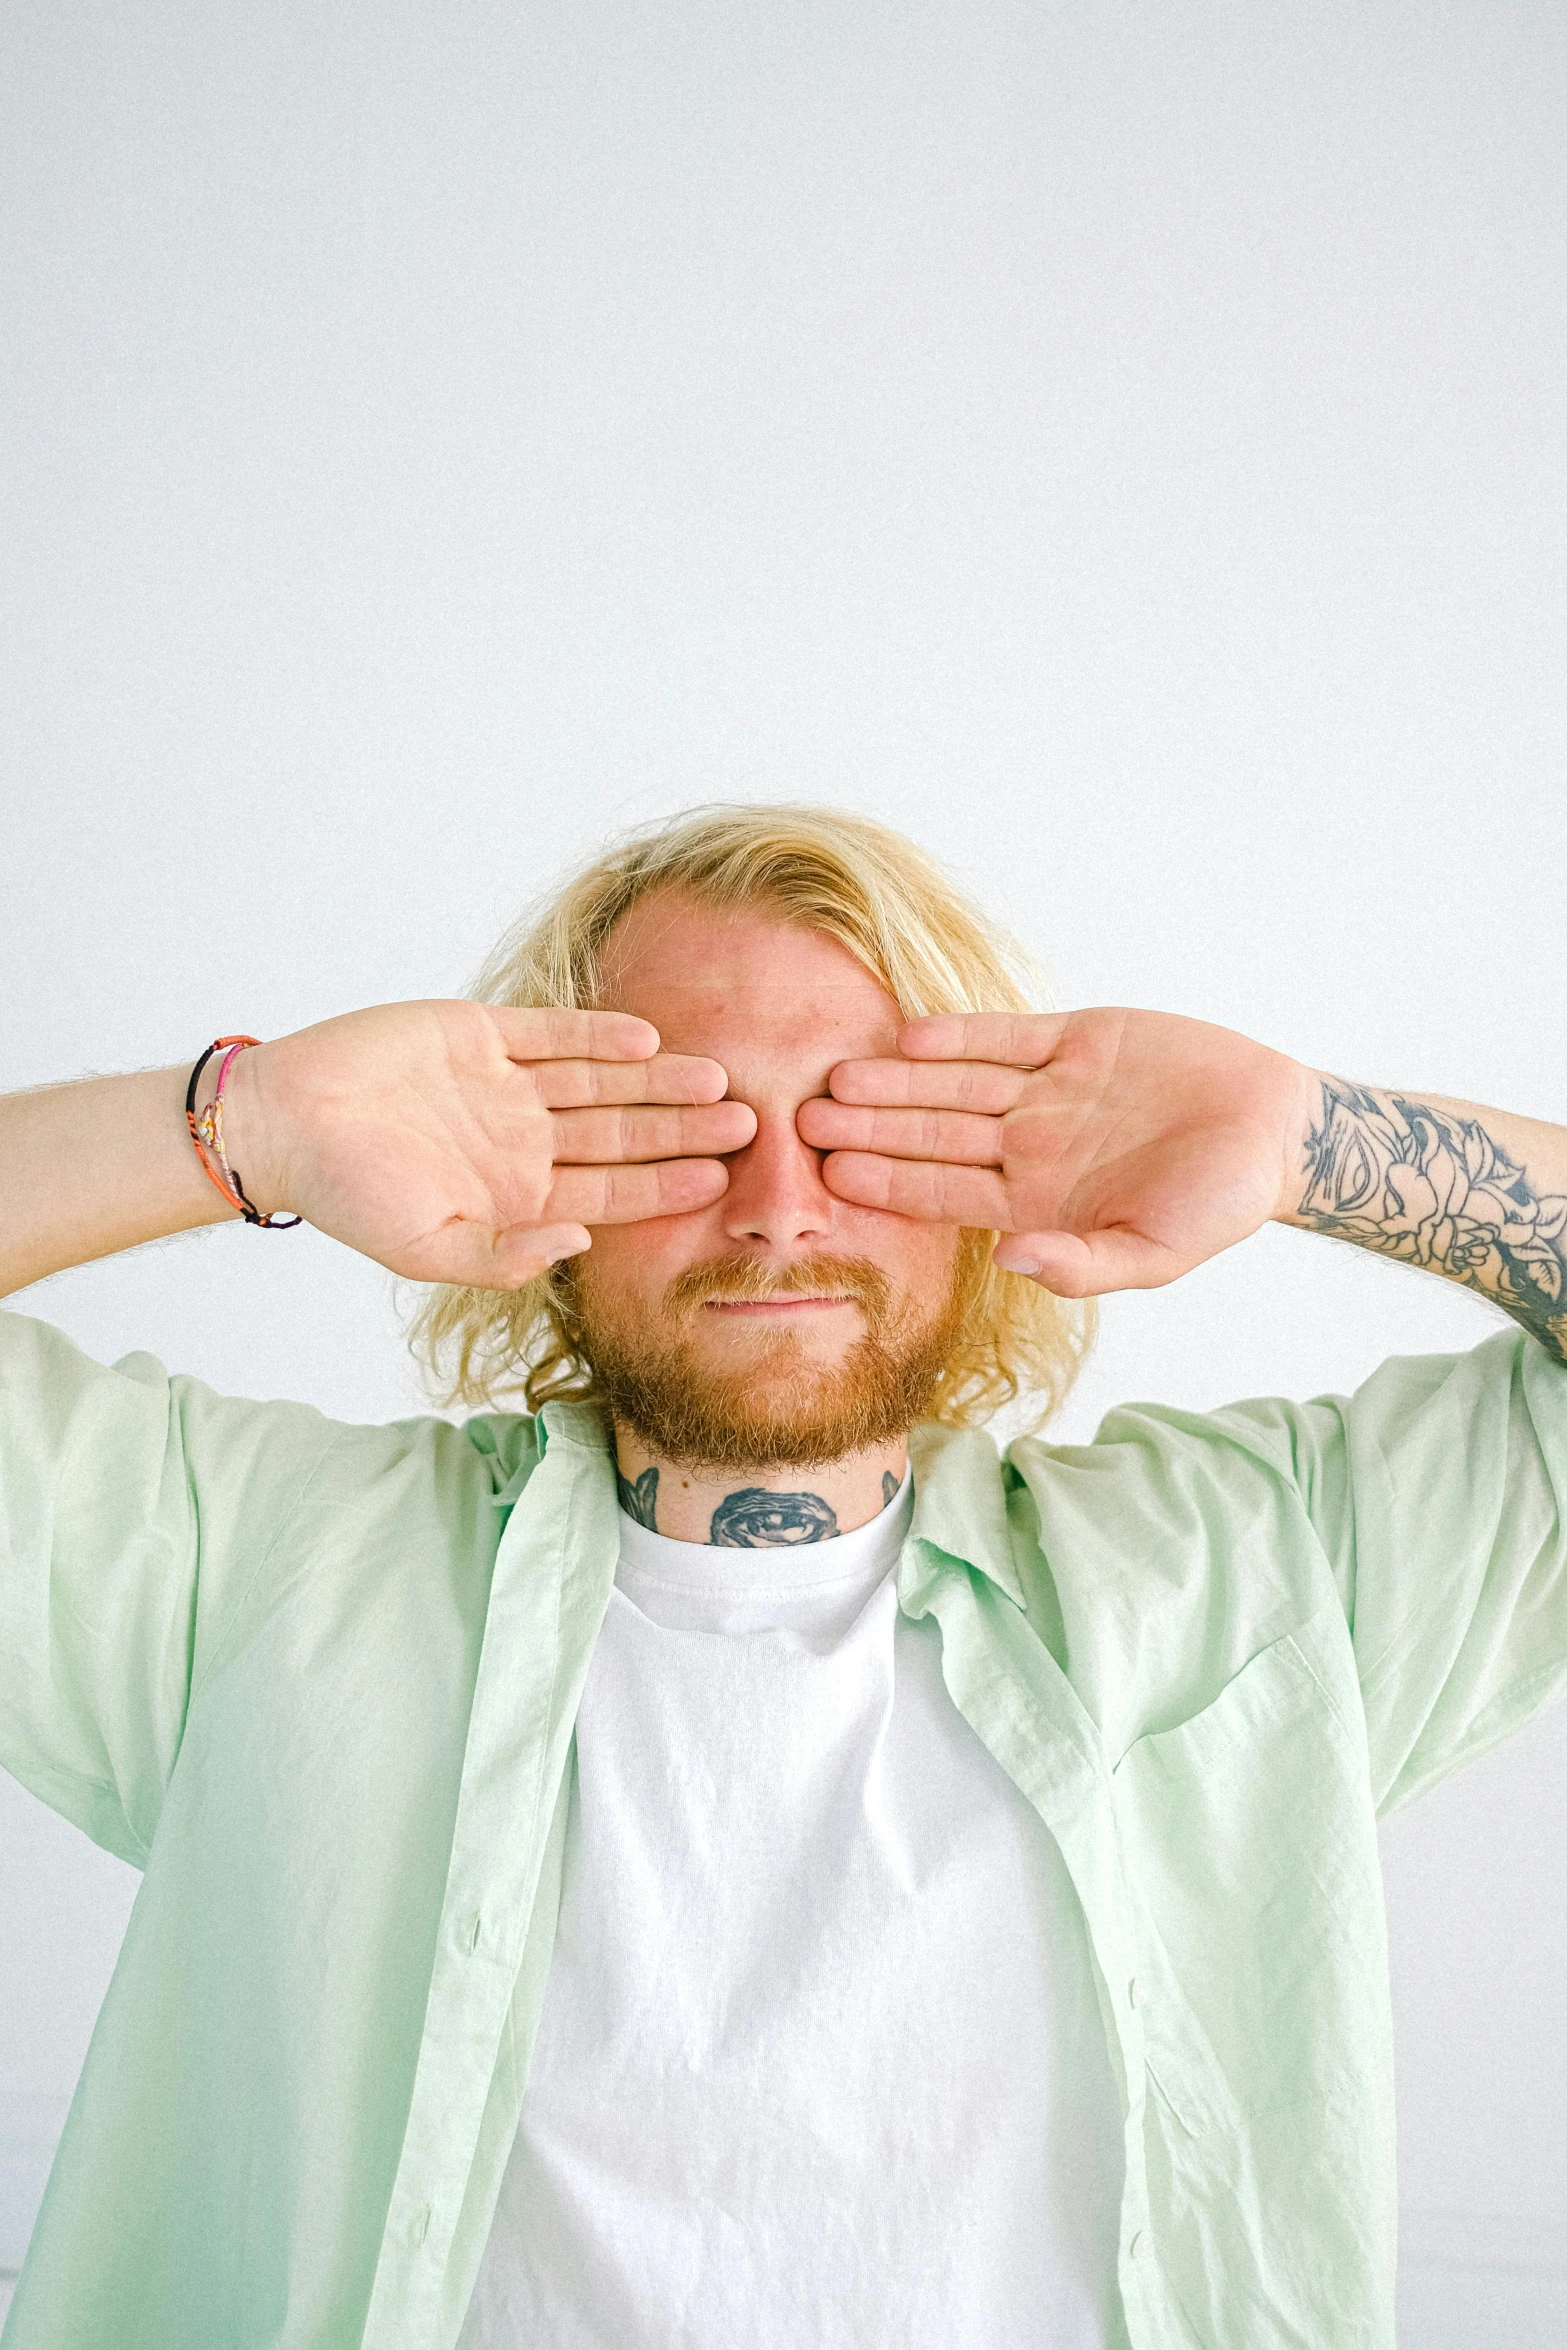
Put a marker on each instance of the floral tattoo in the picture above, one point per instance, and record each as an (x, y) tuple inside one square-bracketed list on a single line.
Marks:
[(1431, 1189), (639, 1499)]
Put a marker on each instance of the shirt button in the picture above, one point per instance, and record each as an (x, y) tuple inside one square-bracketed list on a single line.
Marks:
[(419, 2227), (1134, 2249), (1137, 1992)]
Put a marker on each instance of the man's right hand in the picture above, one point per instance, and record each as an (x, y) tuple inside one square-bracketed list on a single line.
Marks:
[(464, 1142)]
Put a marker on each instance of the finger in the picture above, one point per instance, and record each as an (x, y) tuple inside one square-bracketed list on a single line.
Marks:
[(549, 1033), (901, 1134), (476, 1257), (983, 1086), (668, 1077), (629, 1195), (912, 1187), (1076, 1266), (602, 1136), (1026, 1039)]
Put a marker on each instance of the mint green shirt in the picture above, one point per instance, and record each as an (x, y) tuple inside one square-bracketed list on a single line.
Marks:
[(318, 1682)]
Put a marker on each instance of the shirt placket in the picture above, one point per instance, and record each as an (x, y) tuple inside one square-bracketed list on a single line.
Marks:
[(1013, 1694), (554, 1569)]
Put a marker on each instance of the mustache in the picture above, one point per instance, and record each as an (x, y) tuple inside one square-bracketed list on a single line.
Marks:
[(748, 1281)]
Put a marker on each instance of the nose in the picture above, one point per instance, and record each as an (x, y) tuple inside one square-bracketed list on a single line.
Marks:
[(776, 1195)]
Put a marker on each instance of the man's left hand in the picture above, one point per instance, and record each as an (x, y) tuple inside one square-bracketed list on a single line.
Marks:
[(1111, 1149)]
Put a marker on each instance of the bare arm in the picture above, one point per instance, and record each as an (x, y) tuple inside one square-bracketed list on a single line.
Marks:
[(91, 1168), (450, 1141)]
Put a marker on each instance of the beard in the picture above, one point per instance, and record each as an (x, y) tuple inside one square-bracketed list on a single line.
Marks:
[(780, 1409)]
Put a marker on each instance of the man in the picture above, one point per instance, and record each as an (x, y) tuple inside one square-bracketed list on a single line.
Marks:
[(578, 1924)]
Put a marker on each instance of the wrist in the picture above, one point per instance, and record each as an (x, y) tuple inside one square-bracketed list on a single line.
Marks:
[(250, 1128), (1302, 1119)]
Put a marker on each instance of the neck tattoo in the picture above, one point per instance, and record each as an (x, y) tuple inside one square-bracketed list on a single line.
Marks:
[(750, 1518), (754, 1519), (640, 1500)]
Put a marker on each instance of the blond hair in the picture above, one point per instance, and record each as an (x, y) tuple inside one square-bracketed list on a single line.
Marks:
[(898, 914)]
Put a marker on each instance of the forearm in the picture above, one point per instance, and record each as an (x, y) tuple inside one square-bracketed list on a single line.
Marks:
[(1475, 1194), (97, 1166)]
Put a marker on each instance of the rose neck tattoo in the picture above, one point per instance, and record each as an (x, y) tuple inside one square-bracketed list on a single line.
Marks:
[(639, 1500), (751, 1518), (1417, 1183)]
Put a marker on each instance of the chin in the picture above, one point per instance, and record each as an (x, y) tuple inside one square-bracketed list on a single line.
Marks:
[(771, 1359), (776, 1389)]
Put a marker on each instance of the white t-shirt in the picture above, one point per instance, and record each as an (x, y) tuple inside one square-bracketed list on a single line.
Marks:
[(820, 2064)]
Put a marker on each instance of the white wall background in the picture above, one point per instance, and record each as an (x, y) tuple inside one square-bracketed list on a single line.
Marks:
[(1123, 444)]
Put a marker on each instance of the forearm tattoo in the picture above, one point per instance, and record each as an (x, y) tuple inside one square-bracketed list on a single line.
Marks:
[(640, 1500), (1432, 1189), (754, 1519)]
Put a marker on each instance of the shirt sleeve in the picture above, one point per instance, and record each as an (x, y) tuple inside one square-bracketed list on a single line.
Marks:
[(1437, 1492), (135, 1509)]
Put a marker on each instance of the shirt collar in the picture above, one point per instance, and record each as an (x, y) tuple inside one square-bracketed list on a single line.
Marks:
[(565, 1422), (960, 1502)]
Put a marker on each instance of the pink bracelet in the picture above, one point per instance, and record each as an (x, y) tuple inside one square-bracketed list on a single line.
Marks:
[(206, 1132)]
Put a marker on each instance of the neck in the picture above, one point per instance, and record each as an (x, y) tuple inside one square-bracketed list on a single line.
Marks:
[(726, 1505)]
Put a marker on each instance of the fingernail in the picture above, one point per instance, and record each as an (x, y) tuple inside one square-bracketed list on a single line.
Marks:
[(1021, 1265)]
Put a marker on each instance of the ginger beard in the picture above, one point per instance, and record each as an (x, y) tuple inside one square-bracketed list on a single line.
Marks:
[(780, 1409)]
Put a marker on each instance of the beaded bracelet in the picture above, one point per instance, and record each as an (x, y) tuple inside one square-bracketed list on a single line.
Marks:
[(206, 1132)]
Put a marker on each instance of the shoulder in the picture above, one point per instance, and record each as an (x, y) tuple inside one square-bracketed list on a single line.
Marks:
[(450, 1467), (1155, 1462)]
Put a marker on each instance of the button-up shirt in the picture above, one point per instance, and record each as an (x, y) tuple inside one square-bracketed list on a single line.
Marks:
[(318, 1682)]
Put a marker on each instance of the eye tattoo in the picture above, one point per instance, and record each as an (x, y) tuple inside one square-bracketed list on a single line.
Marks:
[(640, 1500), (754, 1519)]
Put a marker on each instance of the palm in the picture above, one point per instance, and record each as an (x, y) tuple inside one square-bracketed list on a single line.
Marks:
[(433, 1129), (1149, 1125), (1118, 1148), (462, 1142)]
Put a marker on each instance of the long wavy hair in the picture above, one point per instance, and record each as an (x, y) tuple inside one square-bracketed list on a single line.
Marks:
[(891, 906)]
